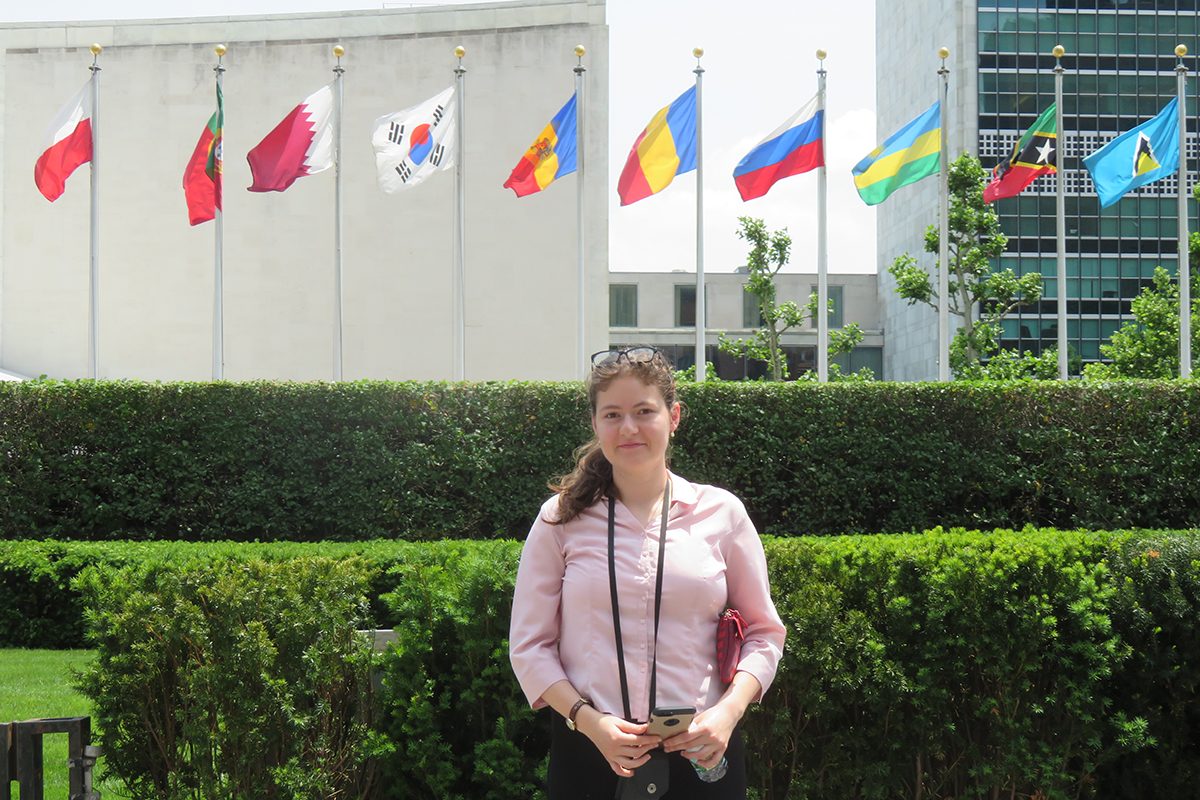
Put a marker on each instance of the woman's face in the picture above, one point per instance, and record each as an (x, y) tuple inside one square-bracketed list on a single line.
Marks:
[(633, 425)]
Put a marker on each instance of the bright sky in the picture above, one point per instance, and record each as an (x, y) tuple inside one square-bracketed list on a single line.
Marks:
[(759, 69)]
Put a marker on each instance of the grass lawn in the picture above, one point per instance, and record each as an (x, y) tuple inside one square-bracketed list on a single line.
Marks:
[(37, 683)]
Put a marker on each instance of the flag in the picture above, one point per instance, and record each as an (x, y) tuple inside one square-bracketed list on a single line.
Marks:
[(202, 177), (905, 157), (1036, 154), (794, 147), (412, 144), (302, 144), (666, 148), (551, 156), (1137, 157), (68, 145)]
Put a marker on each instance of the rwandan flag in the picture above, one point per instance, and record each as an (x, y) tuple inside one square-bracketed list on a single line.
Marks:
[(1137, 157), (202, 176), (1033, 156), (550, 157), (907, 156), (795, 146), (665, 149)]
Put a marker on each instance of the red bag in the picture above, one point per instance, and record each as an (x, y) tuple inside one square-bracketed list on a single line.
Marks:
[(730, 635)]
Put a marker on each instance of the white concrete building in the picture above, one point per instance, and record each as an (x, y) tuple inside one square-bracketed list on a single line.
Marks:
[(156, 272), (659, 308)]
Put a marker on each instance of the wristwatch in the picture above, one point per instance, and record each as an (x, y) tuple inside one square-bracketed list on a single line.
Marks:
[(580, 703)]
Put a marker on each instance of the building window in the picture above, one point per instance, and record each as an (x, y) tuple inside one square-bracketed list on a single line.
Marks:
[(835, 313), (622, 305), (685, 306), (751, 311)]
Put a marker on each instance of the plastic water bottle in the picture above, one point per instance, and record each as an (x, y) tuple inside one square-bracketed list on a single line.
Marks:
[(712, 775)]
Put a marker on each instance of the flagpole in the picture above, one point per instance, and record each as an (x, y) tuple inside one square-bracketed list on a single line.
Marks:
[(822, 241), (460, 270), (944, 227), (701, 320), (94, 223), (1060, 203), (339, 72), (218, 349), (581, 354), (1185, 286)]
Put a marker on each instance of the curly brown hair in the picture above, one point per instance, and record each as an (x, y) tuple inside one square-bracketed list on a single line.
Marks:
[(591, 480)]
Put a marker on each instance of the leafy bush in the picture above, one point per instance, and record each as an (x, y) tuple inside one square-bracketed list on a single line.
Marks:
[(1033, 663), (273, 461), (234, 679)]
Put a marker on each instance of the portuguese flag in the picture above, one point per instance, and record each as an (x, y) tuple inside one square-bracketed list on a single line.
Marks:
[(1036, 154), (202, 178)]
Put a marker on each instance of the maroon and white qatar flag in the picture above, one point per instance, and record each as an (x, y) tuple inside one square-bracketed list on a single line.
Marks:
[(300, 145), (68, 145)]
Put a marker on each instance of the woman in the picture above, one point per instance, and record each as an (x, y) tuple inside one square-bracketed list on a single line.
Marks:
[(563, 641)]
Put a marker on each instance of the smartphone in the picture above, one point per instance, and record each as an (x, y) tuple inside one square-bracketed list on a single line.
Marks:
[(667, 722)]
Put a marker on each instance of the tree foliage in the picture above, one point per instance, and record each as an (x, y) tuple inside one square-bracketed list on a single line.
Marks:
[(979, 297), (769, 252), (1149, 347)]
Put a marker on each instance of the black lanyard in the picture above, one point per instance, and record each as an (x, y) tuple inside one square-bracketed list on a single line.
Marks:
[(612, 585)]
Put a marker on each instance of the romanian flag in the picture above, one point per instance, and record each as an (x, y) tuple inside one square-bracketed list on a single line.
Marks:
[(1036, 154), (794, 147), (551, 156), (665, 149), (202, 176), (907, 156)]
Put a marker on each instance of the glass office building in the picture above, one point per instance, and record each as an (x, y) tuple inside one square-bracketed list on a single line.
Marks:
[(1120, 71)]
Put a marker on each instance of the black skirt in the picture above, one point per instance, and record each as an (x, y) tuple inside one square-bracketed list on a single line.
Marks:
[(578, 771)]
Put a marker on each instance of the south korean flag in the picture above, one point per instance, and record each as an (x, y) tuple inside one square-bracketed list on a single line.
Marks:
[(412, 144)]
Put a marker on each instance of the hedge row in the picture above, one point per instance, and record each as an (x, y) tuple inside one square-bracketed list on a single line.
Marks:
[(270, 461), (1038, 663)]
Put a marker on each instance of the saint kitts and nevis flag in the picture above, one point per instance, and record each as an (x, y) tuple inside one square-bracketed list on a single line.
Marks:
[(1139, 156), (68, 145), (550, 157), (794, 147), (907, 156), (301, 144), (202, 176), (412, 144), (666, 148), (1035, 154)]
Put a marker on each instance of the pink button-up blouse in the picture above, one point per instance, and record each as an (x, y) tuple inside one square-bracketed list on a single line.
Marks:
[(562, 623)]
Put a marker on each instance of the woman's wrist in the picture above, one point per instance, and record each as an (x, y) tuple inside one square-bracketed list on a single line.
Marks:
[(587, 719)]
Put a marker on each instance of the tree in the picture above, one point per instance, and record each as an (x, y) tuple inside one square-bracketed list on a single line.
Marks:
[(977, 295), (1149, 347), (769, 252)]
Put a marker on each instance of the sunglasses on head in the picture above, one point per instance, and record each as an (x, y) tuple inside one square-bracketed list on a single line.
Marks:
[(634, 355)]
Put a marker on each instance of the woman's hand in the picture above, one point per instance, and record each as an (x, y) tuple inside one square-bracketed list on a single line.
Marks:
[(705, 740), (624, 745)]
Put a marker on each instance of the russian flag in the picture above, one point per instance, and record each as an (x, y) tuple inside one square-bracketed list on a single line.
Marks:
[(795, 146)]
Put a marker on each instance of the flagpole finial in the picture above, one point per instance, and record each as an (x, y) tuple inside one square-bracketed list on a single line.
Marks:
[(96, 49), (821, 55), (220, 50), (580, 51), (698, 52), (459, 52), (943, 53), (1181, 50), (1059, 51), (338, 51)]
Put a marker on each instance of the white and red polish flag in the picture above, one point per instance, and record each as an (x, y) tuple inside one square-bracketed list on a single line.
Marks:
[(300, 145), (68, 145)]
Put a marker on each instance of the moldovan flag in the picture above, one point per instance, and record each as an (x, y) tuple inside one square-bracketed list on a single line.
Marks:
[(666, 148), (794, 147), (905, 157), (1035, 154), (550, 157), (68, 145), (202, 176), (412, 144), (302, 144), (1137, 157)]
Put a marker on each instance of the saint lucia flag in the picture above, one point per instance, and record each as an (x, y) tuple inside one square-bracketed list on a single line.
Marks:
[(1143, 155), (412, 144)]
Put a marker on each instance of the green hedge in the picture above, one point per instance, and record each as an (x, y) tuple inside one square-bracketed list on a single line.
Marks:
[(269, 461), (936, 665)]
